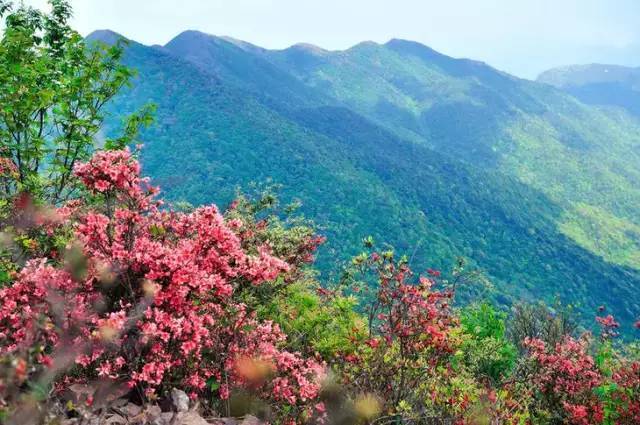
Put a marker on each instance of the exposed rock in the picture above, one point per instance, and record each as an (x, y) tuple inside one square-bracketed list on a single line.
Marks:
[(132, 409), (190, 418), (165, 418), (251, 420), (115, 420), (225, 421), (180, 400), (152, 414)]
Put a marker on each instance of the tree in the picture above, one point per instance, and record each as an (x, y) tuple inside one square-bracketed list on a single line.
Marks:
[(53, 87), (539, 321)]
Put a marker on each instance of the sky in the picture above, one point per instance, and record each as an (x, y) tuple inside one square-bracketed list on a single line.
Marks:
[(522, 37)]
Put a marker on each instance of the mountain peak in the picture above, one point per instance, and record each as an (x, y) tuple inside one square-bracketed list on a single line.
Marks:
[(191, 36), (194, 39), (368, 44), (412, 47), (244, 45), (308, 48), (106, 36)]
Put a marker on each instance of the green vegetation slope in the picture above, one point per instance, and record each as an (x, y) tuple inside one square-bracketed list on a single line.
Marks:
[(437, 156)]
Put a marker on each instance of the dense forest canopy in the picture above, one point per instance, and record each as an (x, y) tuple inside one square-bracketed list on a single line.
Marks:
[(439, 157)]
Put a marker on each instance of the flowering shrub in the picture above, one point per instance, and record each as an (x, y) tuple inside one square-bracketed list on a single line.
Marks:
[(149, 298), (565, 378), (609, 326), (133, 293), (406, 358), (257, 220), (625, 397)]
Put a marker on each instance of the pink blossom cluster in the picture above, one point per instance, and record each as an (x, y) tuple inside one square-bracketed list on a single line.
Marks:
[(110, 170), (567, 372), (627, 398), (156, 305), (566, 368), (27, 312), (609, 326), (291, 378), (413, 314)]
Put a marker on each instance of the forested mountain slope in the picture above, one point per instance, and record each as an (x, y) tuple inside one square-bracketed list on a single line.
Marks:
[(598, 84), (584, 159), (438, 157)]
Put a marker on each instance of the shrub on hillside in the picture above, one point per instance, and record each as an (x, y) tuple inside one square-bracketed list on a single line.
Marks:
[(150, 297)]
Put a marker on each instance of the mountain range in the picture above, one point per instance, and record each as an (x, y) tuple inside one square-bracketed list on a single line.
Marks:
[(599, 84), (437, 156)]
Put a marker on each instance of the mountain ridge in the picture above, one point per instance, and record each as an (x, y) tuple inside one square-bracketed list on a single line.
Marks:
[(593, 72), (449, 168), (599, 84), (106, 36)]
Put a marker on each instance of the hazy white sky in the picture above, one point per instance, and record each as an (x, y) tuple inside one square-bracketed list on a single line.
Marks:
[(523, 37)]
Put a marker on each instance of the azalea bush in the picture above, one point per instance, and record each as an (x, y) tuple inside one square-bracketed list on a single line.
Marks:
[(152, 303), (564, 378), (405, 360), (622, 394), (116, 288), (315, 319)]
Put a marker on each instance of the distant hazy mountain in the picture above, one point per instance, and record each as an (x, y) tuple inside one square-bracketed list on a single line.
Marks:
[(607, 85), (437, 156)]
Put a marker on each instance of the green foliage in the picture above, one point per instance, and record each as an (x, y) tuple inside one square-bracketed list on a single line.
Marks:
[(485, 350), (615, 239), (439, 157), (52, 90), (483, 321), (319, 324)]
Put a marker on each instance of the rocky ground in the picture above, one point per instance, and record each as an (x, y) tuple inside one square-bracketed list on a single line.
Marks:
[(181, 411)]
